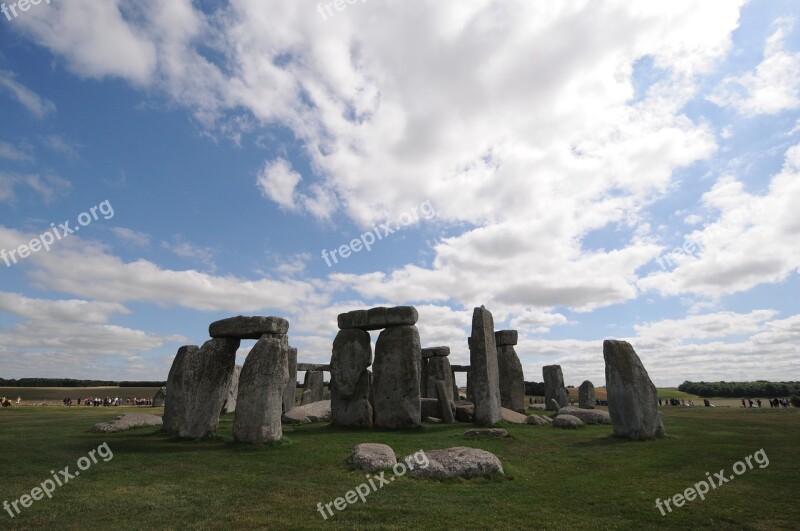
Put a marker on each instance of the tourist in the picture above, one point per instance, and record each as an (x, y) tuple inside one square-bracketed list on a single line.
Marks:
[(758, 401)]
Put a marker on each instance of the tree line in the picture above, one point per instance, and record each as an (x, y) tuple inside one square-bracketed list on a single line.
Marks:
[(69, 382), (760, 388)]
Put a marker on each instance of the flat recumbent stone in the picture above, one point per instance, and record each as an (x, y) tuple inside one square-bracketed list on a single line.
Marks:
[(242, 327), (378, 318)]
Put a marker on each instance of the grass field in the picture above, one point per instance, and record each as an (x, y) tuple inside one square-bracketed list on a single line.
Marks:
[(555, 479)]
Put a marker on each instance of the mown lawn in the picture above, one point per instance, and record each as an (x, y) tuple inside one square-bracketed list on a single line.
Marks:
[(556, 479)]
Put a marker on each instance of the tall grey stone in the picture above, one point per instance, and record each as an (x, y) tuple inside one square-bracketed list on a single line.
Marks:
[(261, 386), (483, 378), (445, 407), (396, 378), (350, 380), (554, 387), (456, 396), (291, 385), (586, 397), (206, 378), (176, 402), (312, 387), (632, 397), (435, 369), (512, 379), (160, 397), (233, 391)]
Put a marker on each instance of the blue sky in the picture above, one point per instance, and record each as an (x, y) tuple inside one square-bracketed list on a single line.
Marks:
[(586, 171)]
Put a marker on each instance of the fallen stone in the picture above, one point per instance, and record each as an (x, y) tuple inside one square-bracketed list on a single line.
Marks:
[(505, 337), (586, 396), (350, 380), (587, 416), (496, 433), (396, 378), (373, 457), (512, 416), (378, 318), (233, 391), (314, 412), (127, 421), (536, 420), (457, 462), (567, 421), (483, 382), (430, 352), (242, 327), (554, 387)]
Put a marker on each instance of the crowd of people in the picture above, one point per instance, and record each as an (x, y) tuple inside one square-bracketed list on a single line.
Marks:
[(107, 401), (675, 402)]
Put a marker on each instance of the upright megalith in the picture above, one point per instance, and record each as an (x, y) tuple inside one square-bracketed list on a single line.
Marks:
[(396, 378), (512, 379), (586, 397), (446, 408), (261, 387), (291, 385), (436, 366), (632, 397), (350, 379), (176, 403), (206, 376), (312, 387), (554, 387), (233, 391), (483, 379)]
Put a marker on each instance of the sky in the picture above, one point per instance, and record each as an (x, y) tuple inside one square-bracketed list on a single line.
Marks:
[(585, 170)]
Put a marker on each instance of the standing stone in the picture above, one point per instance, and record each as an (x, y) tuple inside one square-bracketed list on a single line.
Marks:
[(483, 379), (445, 411), (350, 380), (175, 405), (233, 391), (160, 397), (586, 397), (512, 379), (554, 387), (632, 397), (312, 387), (206, 378), (261, 386), (437, 368), (396, 378), (291, 385), (456, 396)]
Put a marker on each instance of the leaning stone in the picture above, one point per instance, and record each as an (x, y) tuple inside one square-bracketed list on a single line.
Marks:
[(496, 433), (261, 385), (511, 377), (396, 378), (314, 412), (554, 387), (350, 380), (445, 411), (291, 385), (567, 421), (536, 420), (587, 416), (373, 457), (512, 416), (233, 391), (435, 369), (632, 397), (176, 405), (586, 396), (456, 462), (429, 352), (505, 337), (483, 380), (127, 421), (313, 386), (160, 397), (378, 318), (242, 327)]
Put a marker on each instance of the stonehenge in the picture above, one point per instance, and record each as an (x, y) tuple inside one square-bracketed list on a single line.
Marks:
[(312, 387), (233, 390), (554, 387), (436, 366), (511, 377), (586, 397), (350, 380), (483, 377), (396, 378), (291, 384)]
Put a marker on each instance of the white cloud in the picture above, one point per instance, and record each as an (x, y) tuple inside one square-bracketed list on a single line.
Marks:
[(180, 247), (48, 186), (35, 104), (134, 237), (278, 182), (11, 152)]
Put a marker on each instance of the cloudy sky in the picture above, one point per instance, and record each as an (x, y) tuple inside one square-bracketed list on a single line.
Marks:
[(585, 170)]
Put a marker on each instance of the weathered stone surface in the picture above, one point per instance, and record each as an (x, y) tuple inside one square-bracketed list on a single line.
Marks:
[(373, 457), (483, 381), (429, 407), (127, 421), (536, 420), (587, 416), (457, 462), (632, 397), (324, 367), (233, 391), (261, 386), (313, 387), (291, 385), (567, 421), (429, 352), (160, 398), (396, 378), (206, 375), (314, 412), (350, 380), (456, 396), (505, 338), (512, 416), (176, 405), (465, 411), (554, 387), (496, 433), (445, 407), (511, 377), (378, 318), (435, 369), (242, 327), (546, 419), (586, 397)]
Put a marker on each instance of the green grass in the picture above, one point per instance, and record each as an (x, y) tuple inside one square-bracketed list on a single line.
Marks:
[(580, 479)]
